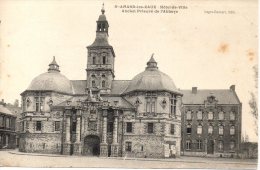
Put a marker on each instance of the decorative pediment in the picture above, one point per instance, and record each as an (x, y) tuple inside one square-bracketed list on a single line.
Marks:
[(211, 101)]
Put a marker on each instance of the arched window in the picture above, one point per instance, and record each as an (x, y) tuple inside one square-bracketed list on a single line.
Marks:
[(220, 145), (188, 116), (104, 59), (232, 145), (188, 130), (210, 130), (93, 83), (220, 130), (210, 115), (221, 115), (232, 116), (199, 129), (232, 130), (103, 83), (199, 115), (94, 60)]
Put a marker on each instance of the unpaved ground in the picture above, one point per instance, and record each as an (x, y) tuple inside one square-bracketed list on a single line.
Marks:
[(17, 159)]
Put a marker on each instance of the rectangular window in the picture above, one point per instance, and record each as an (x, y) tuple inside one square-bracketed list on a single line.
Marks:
[(128, 146), (232, 145), (148, 105), (210, 129), (188, 129), (188, 145), (151, 103), (172, 129), (221, 115), (1, 121), (110, 127), (173, 103), (232, 130), (220, 145), (210, 115), (199, 146), (57, 125), (129, 127), (7, 122), (199, 115), (150, 127), (188, 115), (221, 130), (39, 101), (232, 116), (38, 126), (199, 129)]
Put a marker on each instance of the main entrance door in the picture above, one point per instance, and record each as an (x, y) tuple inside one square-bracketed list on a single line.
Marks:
[(210, 146), (91, 145)]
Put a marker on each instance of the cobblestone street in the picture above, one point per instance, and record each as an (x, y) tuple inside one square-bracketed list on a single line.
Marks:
[(18, 159)]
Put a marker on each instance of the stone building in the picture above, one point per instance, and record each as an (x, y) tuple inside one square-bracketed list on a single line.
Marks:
[(16, 109), (211, 122), (7, 127), (141, 117), (102, 116)]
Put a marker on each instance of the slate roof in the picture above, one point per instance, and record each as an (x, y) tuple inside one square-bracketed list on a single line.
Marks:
[(79, 86), (224, 96), (6, 111), (122, 103), (152, 80), (119, 86), (101, 40), (51, 81)]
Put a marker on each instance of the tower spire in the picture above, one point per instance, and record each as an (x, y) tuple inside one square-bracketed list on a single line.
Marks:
[(53, 66), (151, 64), (103, 9)]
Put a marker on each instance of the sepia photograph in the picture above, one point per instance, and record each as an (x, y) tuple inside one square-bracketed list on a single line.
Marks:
[(147, 84)]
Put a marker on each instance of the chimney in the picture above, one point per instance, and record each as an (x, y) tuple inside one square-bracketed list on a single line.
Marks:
[(194, 90), (232, 87)]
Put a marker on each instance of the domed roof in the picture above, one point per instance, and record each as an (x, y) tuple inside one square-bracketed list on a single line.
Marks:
[(52, 80), (151, 80)]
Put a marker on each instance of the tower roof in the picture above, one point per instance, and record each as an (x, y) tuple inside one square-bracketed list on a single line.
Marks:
[(102, 17), (152, 80), (151, 64), (53, 66)]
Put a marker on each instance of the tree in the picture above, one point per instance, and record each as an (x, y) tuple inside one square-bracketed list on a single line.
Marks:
[(253, 101)]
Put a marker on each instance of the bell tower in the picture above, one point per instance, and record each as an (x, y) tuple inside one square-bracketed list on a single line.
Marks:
[(100, 64)]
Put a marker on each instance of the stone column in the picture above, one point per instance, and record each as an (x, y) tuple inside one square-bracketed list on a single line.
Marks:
[(67, 143), (114, 146), (78, 130), (67, 129), (77, 145), (103, 145)]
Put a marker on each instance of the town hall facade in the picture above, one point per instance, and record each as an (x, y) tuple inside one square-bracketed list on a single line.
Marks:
[(101, 116)]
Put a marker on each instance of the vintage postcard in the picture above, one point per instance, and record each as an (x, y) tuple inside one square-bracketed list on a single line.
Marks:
[(129, 84)]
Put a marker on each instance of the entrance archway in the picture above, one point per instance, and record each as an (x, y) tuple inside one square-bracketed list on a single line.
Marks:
[(91, 145)]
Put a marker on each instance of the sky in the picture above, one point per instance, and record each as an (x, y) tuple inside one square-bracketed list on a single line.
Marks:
[(194, 47)]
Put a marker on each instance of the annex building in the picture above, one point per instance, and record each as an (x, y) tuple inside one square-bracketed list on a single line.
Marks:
[(147, 116)]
